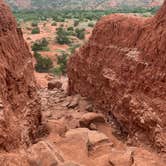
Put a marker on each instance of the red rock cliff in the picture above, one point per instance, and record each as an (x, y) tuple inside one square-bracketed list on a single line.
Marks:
[(17, 85), (122, 69)]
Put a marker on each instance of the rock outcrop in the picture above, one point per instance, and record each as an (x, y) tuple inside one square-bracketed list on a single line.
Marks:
[(21, 107), (122, 70)]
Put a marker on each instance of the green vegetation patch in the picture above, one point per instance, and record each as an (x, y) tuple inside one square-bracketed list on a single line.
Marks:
[(40, 45), (43, 64)]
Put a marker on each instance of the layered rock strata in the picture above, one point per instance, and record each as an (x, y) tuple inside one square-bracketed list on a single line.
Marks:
[(122, 69), (21, 107)]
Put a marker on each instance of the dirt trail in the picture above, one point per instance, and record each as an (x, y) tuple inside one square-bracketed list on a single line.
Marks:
[(96, 143), (75, 133)]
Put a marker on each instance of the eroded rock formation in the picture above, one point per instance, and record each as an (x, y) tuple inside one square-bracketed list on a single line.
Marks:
[(122, 69), (21, 108)]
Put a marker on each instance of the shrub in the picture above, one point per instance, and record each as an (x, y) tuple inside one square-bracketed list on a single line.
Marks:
[(35, 30), (40, 45), (58, 19), (70, 29), (56, 71), (62, 36), (80, 33), (42, 64), (76, 23), (91, 24), (34, 24), (73, 48), (62, 64), (54, 24)]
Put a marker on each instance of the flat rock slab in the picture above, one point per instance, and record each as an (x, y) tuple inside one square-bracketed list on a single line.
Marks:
[(93, 137), (44, 154)]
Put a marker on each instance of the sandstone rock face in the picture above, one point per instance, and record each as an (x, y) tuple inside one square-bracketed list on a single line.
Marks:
[(122, 70), (17, 85)]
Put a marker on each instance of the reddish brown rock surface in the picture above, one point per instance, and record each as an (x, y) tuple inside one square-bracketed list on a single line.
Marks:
[(17, 85), (122, 70)]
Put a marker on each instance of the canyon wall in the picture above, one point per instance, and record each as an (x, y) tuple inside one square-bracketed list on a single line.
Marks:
[(122, 69), (19, 101)]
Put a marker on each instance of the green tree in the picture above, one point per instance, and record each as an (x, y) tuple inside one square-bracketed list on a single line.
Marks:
[(62, 36), (80, 33), (43, 64), (91, 24), (62, 64), (40, 45), (70, 29), (76, 23)]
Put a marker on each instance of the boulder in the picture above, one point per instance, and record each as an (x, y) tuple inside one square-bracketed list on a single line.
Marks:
[(75, 147), (91, 117), (44, 153), (121, 158), (96, 137), (57, 127), (143, 157), (54, 84), (129, 156), (91, 137)]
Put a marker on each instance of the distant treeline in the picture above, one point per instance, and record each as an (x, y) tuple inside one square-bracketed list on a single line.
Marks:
[(82, 15)]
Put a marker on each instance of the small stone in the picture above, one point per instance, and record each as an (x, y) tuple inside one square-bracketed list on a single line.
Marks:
[(47, 114), (92, 126), (65, 104), (89, 108), (129, 142), (74, 102), (96, 137), (1, 106), (142, 121)]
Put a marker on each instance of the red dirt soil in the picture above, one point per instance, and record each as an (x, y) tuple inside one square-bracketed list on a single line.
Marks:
[(122, 70)]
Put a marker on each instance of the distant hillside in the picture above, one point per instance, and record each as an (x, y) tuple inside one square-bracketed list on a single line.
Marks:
[(81, 4)]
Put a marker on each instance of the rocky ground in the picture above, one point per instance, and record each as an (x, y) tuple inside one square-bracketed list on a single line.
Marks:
[(76, 134)]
